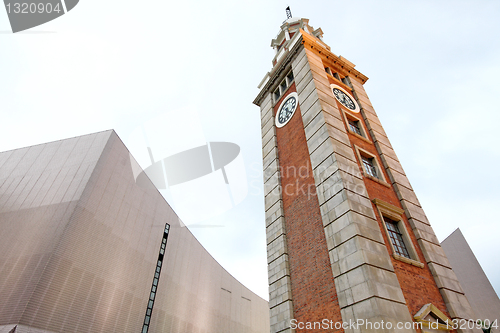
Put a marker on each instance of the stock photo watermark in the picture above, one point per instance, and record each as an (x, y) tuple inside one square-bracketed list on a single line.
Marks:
[(327, 324), (201, 179), (308, 182), (24, 15)]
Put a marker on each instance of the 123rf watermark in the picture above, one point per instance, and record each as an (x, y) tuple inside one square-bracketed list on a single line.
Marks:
[(327, 324)]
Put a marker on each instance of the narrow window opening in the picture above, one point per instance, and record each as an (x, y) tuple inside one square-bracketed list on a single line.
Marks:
[(354, 126), (345, 81), (369, 166), (283, 86), (154, 287), (396, 238), (277, 95)]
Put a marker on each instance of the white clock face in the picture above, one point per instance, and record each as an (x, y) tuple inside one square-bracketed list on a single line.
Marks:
[(344, 98), (287, 109)]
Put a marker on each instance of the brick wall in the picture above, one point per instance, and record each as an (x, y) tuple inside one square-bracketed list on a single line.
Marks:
[(417, 284), (313, 288)]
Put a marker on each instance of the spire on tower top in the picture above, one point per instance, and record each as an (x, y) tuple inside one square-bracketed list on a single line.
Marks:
[(288, 13)]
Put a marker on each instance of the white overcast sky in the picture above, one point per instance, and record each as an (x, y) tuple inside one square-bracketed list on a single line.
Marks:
[(433, 69)]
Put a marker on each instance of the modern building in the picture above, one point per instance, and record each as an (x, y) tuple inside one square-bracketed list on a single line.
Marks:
[(88, 244), (478, 289), (348, 240)]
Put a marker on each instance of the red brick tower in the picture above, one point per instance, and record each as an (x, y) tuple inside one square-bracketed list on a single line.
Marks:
[(347, 238)]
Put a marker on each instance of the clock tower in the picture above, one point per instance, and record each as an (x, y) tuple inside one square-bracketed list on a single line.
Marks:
[(349, 247)]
